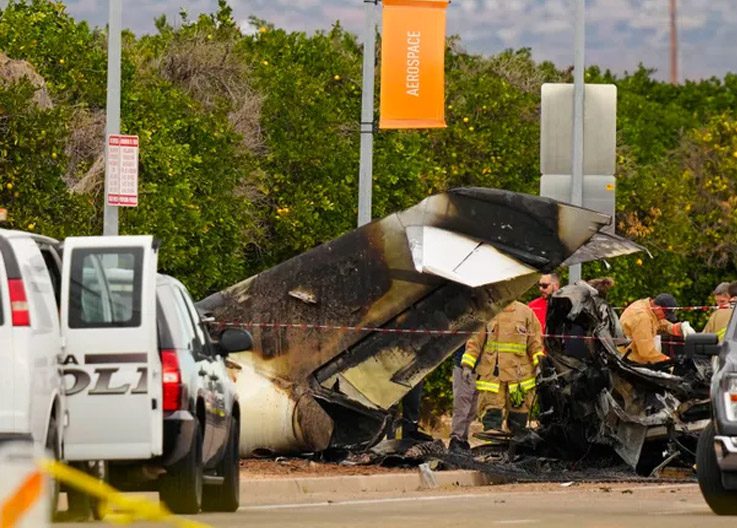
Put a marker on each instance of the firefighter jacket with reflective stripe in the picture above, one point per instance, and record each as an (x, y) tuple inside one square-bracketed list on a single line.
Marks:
[(641, 325), (507, 350), (718, 320)]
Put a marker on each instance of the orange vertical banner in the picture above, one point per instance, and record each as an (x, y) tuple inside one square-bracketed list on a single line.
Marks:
[(413, 64)]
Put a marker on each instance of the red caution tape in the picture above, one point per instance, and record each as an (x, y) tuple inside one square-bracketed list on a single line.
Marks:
[(425, 331)]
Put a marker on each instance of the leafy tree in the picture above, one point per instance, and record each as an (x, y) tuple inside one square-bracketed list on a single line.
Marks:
[(32, 165), (250, 147), (68, 55)]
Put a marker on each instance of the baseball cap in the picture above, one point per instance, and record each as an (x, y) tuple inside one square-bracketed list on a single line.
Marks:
[(666, 300), (722, 289)]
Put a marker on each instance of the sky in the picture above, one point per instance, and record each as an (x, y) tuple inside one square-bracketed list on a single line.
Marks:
[(620, 34)]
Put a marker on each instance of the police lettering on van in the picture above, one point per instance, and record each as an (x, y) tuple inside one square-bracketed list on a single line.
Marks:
[(77, 379)]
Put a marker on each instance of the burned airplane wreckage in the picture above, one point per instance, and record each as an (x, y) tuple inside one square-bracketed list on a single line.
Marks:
[(591, 397), (342, 332)]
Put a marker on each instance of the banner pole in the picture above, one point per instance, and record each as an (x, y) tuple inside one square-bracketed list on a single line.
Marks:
[(365, 175)]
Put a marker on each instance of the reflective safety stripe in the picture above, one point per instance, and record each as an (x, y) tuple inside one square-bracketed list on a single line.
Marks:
[(512, 348), (468, 359), (536, 358), (528, 384), (720, 333), (525, 385), (488, 386)]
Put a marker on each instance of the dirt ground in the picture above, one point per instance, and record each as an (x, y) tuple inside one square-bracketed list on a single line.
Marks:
[(284, 467)]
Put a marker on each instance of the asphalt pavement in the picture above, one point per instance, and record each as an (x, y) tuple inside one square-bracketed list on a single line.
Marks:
[(585, 505)]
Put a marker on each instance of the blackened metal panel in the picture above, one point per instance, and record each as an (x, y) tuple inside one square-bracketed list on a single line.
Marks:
[(382, 368), (602, 246), (367, 277), (323, 304)]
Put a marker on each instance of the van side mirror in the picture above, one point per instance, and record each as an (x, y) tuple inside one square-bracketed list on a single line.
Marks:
[(235, 340), (703, 345)]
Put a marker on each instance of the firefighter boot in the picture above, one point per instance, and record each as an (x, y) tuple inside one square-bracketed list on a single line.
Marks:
[(458, 446), (492, 422), (517, 422)]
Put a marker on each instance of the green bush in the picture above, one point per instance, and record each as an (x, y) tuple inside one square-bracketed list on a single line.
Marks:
[(250, 146)]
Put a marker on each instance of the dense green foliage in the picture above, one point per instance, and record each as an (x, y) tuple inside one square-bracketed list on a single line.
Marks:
[(250, 143)]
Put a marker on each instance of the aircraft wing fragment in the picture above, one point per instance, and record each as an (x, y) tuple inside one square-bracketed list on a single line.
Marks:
[(342, 332)]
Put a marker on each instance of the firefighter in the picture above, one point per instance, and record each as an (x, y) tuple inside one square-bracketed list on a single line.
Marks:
[(717, 323), (505, 355), (641, 322)]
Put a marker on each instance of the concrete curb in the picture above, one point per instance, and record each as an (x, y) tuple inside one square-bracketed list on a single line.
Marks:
[(287, 490)]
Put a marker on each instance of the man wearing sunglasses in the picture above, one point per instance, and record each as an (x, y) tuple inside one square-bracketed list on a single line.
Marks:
[(547, 285)]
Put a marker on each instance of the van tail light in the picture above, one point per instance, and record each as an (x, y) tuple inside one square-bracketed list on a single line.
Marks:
[(171, 380), (19, 308)]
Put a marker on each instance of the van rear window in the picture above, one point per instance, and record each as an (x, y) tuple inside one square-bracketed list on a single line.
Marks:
[(105, 289)]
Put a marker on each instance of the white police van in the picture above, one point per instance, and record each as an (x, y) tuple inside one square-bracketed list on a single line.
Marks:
[(109, 348), (32, 405), (105, 360), (65, 332)]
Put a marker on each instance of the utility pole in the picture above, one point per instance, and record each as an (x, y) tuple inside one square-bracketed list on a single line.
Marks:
[(673, 42), (365, 174), (112, 126), (574, 272)]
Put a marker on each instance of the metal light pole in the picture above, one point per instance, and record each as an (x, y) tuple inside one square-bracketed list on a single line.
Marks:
[(578, 93), (365, 174), (673, 42), (110, 220)]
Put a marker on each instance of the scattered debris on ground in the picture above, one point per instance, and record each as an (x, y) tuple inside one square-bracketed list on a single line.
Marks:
[(498, 462)]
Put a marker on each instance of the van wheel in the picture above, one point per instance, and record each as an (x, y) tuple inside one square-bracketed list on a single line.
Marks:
[(181, 488), (52, 444), (721, 501), (226, 497)]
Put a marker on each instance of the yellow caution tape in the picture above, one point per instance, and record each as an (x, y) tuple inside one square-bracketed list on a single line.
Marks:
[(24, 497), (130, 508)]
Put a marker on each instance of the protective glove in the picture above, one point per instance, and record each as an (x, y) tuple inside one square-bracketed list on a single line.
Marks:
[(686, 329), (682, 329), (468, 375), (517, 397)]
